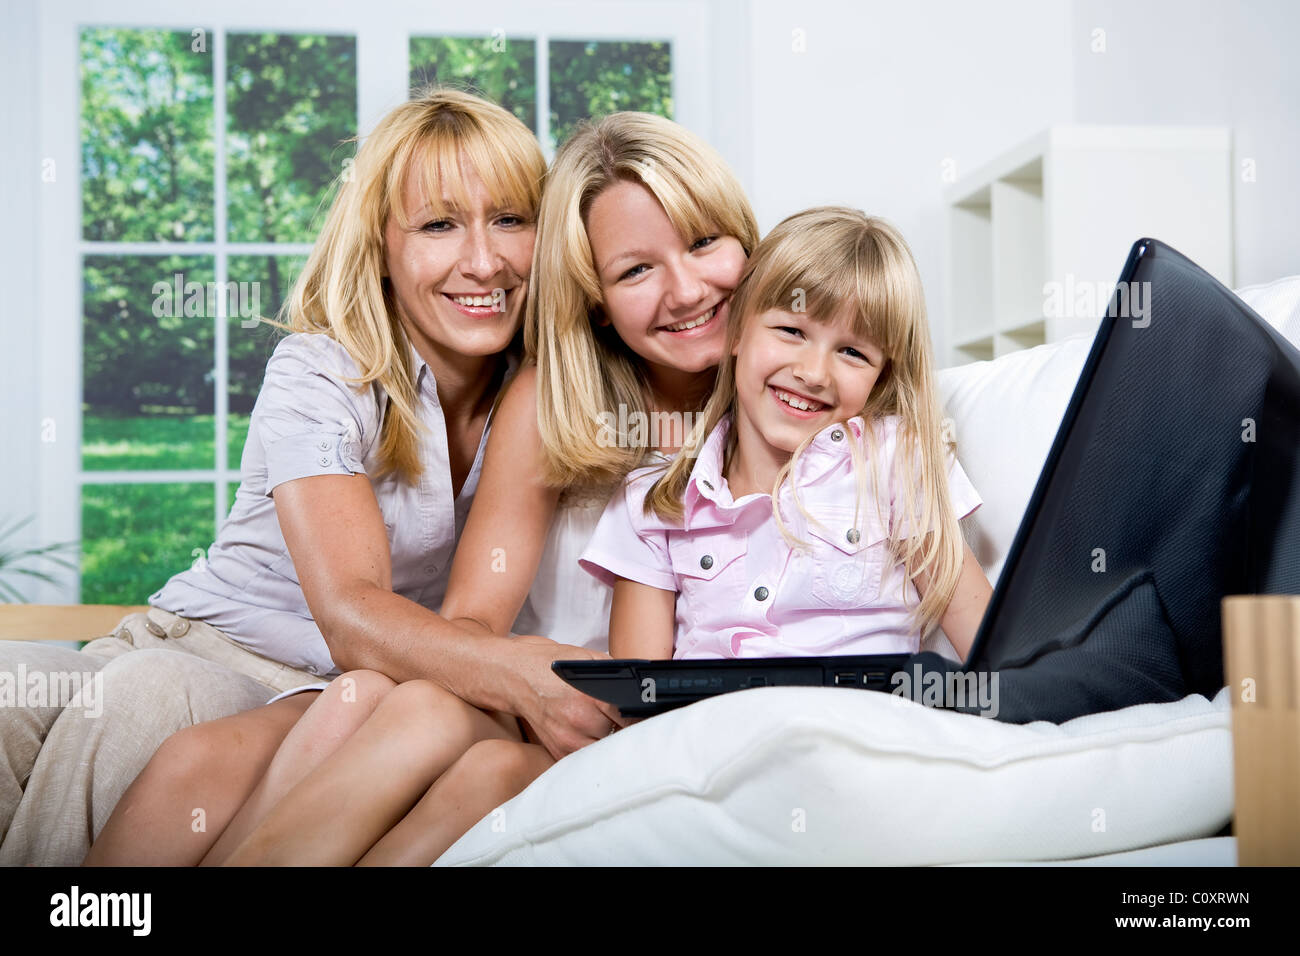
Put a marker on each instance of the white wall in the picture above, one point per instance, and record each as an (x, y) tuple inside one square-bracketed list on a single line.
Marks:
[(20, 179), (884, 93), (1208, 62)]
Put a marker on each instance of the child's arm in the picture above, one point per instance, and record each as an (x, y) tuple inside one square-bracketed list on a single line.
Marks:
[(641, 621), (962, 618)]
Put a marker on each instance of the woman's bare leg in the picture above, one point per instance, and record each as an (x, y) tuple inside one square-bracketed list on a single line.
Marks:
[(336, 714), (193, 786), (340, 809), (489, 774)]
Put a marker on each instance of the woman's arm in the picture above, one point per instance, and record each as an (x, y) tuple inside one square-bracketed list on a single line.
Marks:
[(961, 620), (336, 537), (499, 551), (642, 621)]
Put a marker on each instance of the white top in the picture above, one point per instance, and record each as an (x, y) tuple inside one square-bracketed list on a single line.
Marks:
[(565, 603)]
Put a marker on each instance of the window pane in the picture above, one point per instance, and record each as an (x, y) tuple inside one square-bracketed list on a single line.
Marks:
[(589, 80), (134, 537), (503, 70), (146, 136), (263, 283), (292, 101), (147, 361)]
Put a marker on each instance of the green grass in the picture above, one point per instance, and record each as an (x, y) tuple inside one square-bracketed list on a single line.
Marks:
[(134, 537), (157, 442)]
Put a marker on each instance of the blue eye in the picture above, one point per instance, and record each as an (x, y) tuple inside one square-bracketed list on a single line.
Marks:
[(702, 242), (634, 271), (437, 225), (791, 329), (511, 220)]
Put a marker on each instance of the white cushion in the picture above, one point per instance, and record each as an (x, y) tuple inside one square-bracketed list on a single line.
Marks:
[(790, 775), (1278, 303)]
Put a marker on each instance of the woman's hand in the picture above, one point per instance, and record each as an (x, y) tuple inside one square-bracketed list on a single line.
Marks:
[(563, 718)]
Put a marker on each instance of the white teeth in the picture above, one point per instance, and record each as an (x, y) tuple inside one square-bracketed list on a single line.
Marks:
[(683, 326), (802, 404), (478, 300)]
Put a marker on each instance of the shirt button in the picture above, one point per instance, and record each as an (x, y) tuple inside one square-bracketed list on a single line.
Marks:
[(324, 446), (179, 627), (324, 462), (706, 562), (760, 594), (429, 569), (707, 484), (854, 536), (837, 435)]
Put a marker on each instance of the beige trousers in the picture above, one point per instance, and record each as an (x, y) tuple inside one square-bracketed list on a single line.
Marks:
[(77, 727)]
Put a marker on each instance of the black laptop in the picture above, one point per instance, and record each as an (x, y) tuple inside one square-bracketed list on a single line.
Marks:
[(1045, 594)]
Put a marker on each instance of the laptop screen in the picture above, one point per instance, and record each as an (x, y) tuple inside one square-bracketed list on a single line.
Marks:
[(1168, 486)]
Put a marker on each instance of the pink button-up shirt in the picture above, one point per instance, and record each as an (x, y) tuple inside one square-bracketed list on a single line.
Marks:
[(743, 590)]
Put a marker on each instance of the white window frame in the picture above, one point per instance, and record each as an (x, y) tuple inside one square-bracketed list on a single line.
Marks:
[(382, 29)]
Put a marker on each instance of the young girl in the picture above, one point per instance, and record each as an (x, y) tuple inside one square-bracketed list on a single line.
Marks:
[(822, 502), (642, 236)]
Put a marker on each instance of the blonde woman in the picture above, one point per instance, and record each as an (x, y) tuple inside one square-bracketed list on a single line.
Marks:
[(363, 456), (642, 236)]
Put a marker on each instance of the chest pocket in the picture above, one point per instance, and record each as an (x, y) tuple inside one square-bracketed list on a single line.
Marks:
[(700, 557), (848, 557)]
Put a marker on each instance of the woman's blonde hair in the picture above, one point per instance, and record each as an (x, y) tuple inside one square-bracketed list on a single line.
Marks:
[(584, 370), (439, 135), (823, 261)]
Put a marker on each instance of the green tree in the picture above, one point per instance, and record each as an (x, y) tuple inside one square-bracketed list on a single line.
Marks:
[(146, 137), (502, 70), (590, 80)]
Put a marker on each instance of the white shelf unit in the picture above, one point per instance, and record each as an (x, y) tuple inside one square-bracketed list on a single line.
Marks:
[(1037, 237)]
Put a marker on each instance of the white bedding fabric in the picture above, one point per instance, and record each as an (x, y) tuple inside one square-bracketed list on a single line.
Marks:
[(794, 775)]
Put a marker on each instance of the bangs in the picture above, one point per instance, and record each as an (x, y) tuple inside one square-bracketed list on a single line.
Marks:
[(698, 207), (446, 156), (829, 277)]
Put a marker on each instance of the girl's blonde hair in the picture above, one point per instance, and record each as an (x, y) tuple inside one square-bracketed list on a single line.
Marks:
[(823, 261), (342, 292), (582, 370)]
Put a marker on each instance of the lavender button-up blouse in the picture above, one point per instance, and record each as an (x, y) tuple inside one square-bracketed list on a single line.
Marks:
[(309, 421)]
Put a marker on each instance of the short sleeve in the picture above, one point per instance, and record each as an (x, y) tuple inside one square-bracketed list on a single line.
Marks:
[(308, 419), (627, 544), (965, 499)]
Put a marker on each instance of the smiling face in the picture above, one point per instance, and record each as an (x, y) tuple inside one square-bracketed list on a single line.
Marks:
[(794, 376), (459, 279), (667, 298)]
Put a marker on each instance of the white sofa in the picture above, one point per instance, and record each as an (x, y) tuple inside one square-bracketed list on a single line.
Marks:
[(811, 775)]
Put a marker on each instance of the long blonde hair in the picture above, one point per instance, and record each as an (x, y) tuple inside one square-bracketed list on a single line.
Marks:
[(826, 259), (341, 292), (584, 371)]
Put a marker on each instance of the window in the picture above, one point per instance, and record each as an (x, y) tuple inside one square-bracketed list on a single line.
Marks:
[(205, 154), (199, 190)]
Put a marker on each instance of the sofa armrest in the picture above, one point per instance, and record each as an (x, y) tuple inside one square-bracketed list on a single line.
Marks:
[(61, 622)]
